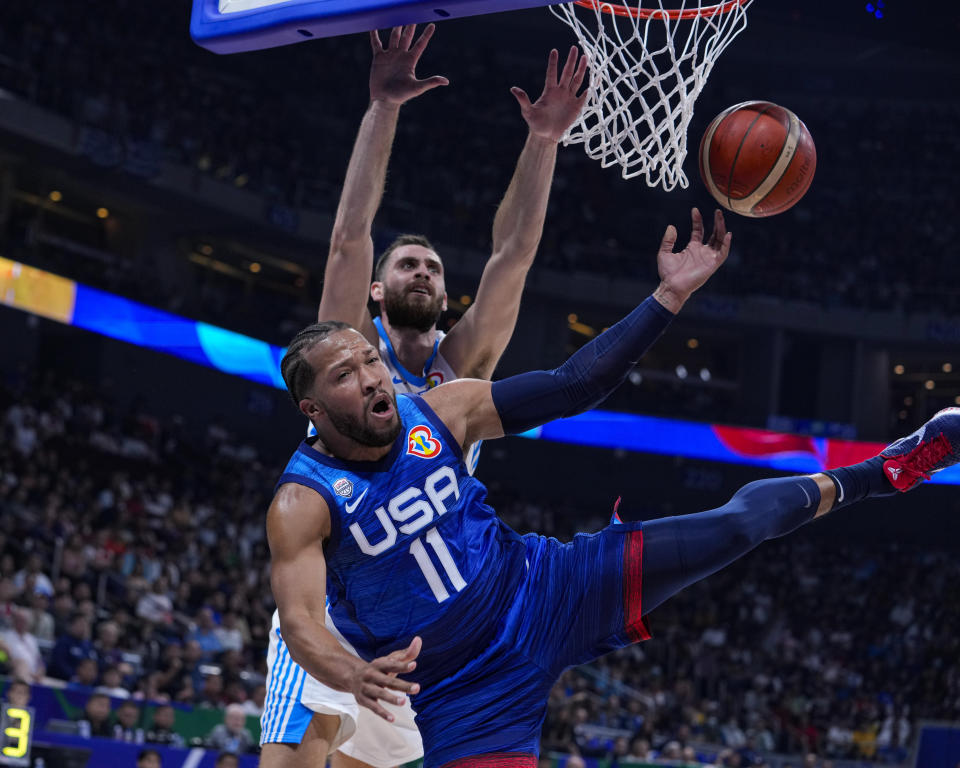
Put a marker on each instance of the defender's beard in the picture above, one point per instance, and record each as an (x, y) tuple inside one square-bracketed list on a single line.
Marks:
[(403, 311)]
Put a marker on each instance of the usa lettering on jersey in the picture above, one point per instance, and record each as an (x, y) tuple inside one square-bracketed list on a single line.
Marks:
[(409, 511)]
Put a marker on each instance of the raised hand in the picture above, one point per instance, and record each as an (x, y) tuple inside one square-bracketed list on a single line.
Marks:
[(559, 104), (393, 78), (379, 679), (682, 273)]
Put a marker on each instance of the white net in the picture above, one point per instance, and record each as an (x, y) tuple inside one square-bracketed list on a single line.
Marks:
[(648, 64)]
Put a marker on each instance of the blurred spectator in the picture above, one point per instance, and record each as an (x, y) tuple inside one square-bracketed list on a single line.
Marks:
[(156, 606), (228, 633), (111, 683), (204, 633), (232, 734), (149, 758), (71, 648), (254, 705), (162, 730), (87, 673), (23, 652), (42, 625), (108, 653), (227, 760), (95, 719), (127, 725), (18, 694), (211, 694), (33, 577)]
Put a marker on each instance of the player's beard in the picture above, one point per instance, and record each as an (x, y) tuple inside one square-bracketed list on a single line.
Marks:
[(359, 431), (404, 312)]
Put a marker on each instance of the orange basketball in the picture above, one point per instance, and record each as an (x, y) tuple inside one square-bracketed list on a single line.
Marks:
[(757, 158)]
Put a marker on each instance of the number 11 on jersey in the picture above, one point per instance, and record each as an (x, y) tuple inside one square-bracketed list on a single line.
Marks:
[(430, 573)]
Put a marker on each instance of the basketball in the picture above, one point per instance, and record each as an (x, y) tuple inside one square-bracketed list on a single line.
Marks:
[(757, 158)]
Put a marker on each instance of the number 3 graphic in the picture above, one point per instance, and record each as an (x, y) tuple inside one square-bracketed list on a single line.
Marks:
[(21, 733)]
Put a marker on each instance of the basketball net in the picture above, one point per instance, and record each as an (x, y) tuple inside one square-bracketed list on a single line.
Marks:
[(647, 68)]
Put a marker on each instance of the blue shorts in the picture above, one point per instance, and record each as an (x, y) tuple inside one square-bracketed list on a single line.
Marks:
[(576, 602)]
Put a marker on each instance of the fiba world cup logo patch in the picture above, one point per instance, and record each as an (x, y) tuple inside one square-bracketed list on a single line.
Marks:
[(343, 487), (422, 443), (435, 379)]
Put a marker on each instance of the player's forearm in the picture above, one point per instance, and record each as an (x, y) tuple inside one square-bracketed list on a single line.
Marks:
[(518, 225), (315, 649), (366, 173), (588, 377)]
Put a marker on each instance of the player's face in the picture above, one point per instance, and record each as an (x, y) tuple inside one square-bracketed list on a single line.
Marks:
[(352, 394), (412, 290)]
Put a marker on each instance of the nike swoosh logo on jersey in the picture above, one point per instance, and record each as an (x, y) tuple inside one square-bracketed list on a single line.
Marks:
[(350, 507)]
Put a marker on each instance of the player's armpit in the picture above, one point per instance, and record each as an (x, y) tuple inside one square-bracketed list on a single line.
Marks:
[(467, 409)]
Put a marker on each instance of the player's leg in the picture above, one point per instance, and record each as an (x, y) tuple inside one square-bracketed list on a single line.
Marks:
[(679, 551), (312, 751), (285, 720), (379, 744)]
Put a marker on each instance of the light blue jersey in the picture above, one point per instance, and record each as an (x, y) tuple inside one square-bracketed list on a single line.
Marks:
[(414, 548)]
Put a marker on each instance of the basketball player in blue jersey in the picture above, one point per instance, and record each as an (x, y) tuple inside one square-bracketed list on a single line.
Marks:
[(302, 718), (445, 603)]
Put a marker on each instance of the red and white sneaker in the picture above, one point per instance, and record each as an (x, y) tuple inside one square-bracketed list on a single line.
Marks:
[(935, 446)]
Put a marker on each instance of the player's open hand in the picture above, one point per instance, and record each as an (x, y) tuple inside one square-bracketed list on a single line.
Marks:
[(682, 273), (393, 76), (560, 104), (379, 681)]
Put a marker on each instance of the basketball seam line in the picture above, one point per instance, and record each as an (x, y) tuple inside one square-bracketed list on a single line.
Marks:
[(736, 157)]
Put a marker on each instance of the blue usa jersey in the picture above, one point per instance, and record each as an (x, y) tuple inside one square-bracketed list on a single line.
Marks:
[(414, 549)]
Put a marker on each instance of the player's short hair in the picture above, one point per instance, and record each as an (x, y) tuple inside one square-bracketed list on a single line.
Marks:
[(297, 373), (397, 243)]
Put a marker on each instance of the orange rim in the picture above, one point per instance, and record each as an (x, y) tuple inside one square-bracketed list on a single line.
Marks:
[(621, 9)]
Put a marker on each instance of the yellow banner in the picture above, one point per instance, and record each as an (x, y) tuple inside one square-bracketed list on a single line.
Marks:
[(36, 291)]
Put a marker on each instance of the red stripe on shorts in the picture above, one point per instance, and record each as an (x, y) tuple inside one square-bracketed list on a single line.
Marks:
[(495, 760), (635, 626)]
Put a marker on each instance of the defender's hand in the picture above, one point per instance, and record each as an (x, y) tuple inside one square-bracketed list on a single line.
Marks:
[(393, 78), (682, 273), (378, 679), (559, 105)]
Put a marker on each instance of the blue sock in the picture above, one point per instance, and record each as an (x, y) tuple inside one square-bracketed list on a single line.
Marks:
[(860, 481)]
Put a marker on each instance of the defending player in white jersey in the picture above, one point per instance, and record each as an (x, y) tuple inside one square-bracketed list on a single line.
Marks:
[(303, 720)]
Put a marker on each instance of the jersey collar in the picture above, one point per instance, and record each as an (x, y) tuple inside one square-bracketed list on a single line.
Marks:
[(417, 381)]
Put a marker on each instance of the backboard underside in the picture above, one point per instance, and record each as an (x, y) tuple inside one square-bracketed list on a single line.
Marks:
[(231, 26)]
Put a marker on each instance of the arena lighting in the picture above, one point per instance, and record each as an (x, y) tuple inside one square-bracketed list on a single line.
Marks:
[(681, 371), (898, 369), (255, 267), (55, 195), (465, 300), (705, 374), (66, 301), (947, 368), (692, 343), (929, 384), (102, 213)]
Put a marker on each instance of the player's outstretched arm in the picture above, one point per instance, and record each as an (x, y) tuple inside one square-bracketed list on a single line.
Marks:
[(298, 523), (477, 341), (476, 410), (393, 81)]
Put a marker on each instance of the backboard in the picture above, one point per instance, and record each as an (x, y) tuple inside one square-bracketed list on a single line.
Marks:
[(230, 26)]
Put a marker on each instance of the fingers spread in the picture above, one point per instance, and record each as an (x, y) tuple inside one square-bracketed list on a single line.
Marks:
[(422, 41), (521, 96), (395, 34), (375, 41), (407, 37), (578, 76), (569, 67), (696, 226), (552, 68), (669, 239)]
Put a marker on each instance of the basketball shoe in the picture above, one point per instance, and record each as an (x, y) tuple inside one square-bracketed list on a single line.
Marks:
[(935, 446)]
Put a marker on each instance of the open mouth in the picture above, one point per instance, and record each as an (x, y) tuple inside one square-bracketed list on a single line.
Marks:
[(419, 289), (381, 406)]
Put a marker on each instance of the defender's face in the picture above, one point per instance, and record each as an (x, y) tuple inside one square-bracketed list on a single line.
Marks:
[(352, 394), (412, 291)]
